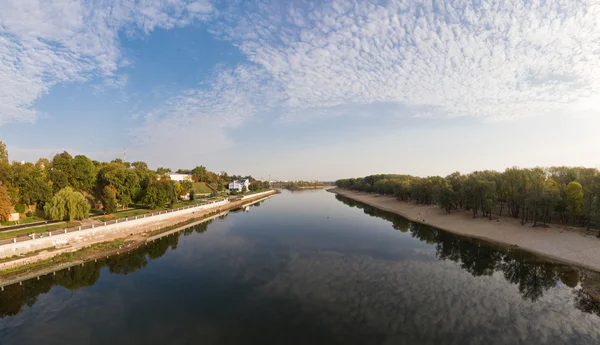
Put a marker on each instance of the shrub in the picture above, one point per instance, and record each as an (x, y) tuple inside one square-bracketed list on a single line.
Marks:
[(20, 208)]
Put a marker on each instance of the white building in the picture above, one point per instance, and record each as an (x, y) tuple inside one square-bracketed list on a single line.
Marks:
[(180, 177), (238, 185)]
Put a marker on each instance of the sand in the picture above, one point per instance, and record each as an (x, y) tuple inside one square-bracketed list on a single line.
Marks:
[(560, 243)]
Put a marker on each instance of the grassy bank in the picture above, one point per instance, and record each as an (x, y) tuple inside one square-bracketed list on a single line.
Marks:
[(95, 249), (36, 230), (103, 248)]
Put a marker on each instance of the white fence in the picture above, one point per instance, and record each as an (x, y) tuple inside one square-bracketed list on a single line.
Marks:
[(61, 237)]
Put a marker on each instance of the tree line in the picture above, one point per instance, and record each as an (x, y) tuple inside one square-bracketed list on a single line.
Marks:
[(566, 195), (67, 187), (296, 185)]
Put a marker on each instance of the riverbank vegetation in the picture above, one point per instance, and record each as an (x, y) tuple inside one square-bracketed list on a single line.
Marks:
[(70, 188), (297, 185), (565, 195)]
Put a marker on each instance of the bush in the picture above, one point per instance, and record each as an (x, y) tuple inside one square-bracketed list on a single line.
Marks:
[(20, 208), (29, 214), (109, 199), (192, 194)]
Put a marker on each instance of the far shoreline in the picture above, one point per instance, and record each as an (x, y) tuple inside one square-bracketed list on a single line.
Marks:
[(557, 243)]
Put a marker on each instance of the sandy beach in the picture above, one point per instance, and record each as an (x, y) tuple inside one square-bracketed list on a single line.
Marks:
[(560, 243)]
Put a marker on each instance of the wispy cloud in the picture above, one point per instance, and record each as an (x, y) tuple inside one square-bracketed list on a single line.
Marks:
[(488, 59), (306, 60), (203, 116), (43, 43)]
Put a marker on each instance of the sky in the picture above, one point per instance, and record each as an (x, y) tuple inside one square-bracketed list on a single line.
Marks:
[(303, 89)]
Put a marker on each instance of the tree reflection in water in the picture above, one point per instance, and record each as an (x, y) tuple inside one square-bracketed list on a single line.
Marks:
[(532, 274), (16, 296)]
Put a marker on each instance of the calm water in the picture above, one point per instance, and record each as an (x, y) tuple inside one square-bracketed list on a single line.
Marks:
[(308, 268)]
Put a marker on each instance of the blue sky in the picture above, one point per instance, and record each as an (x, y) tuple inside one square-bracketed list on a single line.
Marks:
[(303, 90)]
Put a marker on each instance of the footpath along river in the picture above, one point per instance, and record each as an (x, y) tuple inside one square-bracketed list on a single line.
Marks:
[(308, 267)]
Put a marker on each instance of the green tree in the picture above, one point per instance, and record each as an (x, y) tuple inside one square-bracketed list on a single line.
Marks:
[(58, 180), (63, 162), (67, 203), (244, 189), (83, 174), (163, 171), (5, 204), (3, 153), (109, 199), (574, 199), (31, 184), (596, 212), (186, 186), (5, 168), (160, 193), (199, 174), (145, 177), (125, 181)]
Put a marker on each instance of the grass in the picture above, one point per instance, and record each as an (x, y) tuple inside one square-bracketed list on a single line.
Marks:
[(67, 257), (24, 221), (201, 188), (36, 230), (125, 214)]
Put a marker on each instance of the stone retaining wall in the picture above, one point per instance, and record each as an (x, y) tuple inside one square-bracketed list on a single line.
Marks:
[(19, 248)]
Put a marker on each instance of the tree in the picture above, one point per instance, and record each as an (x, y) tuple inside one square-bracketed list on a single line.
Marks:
[(186, 186), (178, 188), (244, 189), (160, 193), (67, 203), (192, 194), (5, 168), (145, 177), (63, 162), (199, 174), (123, 179), (574, 199), (58, 180), (3, 153), (83, 173), (163, 171), (109, 199), (31, 184), (596, 212), (140, 165), (5, 204)]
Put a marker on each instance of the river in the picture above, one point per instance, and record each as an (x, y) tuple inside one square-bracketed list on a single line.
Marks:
[(308, 267)]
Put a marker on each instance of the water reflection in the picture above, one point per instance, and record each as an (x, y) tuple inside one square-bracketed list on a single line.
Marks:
[(309, 270), (16, 296), (530, 273)]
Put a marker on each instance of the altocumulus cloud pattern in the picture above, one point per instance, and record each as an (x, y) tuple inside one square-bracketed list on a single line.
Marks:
[(487, 59)]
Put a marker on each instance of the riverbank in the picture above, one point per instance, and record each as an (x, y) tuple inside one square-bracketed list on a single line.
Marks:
[(560, 243), (132, 232)]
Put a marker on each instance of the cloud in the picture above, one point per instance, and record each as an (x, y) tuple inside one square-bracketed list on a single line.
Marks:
[(203, 116), (43, 43), (309, 60), (459, 58)]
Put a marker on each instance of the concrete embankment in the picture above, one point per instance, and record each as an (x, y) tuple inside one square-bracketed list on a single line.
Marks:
[(50, 246), (559, 243), (38, 272)]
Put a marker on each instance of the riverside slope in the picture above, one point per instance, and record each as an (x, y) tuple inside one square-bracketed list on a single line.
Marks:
[(558, 243)]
